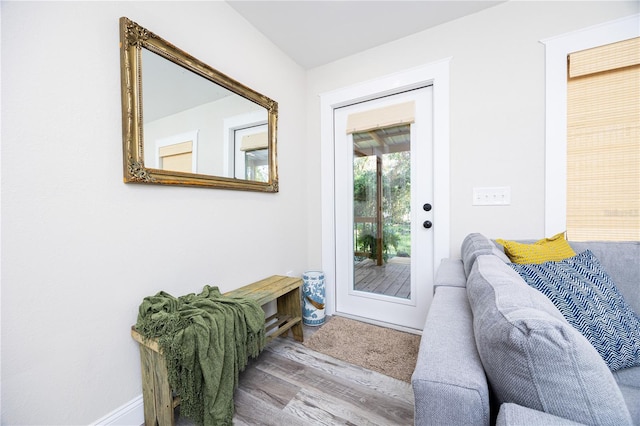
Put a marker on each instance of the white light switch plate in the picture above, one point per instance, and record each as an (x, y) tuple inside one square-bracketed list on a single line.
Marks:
[(492, 196)]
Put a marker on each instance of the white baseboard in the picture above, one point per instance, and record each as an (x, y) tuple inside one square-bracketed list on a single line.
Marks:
[(130, 414)]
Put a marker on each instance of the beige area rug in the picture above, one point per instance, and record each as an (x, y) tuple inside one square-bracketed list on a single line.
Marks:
[(387, 351)]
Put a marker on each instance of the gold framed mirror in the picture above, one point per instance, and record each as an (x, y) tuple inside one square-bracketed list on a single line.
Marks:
[(194, 126)]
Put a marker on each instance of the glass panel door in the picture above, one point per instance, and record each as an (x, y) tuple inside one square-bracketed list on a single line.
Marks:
[(384, 175), (382, 211)]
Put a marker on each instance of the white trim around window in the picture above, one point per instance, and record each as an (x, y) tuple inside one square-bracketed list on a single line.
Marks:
[(556, 50)]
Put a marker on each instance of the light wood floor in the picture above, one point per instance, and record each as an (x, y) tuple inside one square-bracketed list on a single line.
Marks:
[(391, 279), (289, 384)]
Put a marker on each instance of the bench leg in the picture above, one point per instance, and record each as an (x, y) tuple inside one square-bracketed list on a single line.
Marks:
[(156, 392), (289, 304), (297, 332), (148, 391)]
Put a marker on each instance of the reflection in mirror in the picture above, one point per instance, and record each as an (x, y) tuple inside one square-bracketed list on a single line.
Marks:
[(251, 159), (184, 115), (193, 126)]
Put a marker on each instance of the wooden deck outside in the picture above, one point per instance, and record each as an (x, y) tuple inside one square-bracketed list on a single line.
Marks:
[(391, 279)]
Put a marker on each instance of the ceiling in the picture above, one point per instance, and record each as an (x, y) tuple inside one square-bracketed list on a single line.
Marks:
[(169, 88), (316, 32)]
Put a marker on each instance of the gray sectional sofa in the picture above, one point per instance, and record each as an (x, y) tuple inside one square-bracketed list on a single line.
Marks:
[(495, 350)]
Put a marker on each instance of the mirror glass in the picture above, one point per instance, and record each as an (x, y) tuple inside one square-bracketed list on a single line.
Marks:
[(185, 123)]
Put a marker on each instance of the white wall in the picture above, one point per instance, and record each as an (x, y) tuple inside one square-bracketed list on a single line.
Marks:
[(497, 106), (80, 249)]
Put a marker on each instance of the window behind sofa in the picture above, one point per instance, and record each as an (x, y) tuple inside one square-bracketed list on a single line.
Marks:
[(603, 143)]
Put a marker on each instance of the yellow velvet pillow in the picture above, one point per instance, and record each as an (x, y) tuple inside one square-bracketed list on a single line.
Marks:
[(545, 250)]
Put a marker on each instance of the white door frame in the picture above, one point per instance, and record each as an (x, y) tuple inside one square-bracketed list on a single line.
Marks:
[(230, 125), (436, 74)]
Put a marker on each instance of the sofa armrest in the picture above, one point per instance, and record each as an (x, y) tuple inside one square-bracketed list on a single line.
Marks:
[(449, 384), (514, 414), (450, 274)]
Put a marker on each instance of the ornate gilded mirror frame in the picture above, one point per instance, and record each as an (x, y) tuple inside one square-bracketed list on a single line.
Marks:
[(133, 39)]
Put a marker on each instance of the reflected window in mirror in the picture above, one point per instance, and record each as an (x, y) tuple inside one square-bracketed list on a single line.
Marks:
[(251, 153)]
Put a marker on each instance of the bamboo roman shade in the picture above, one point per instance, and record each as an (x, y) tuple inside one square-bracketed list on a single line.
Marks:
[(605, 58), (177, 157), (603, 143), (254, 141), (379, 118)]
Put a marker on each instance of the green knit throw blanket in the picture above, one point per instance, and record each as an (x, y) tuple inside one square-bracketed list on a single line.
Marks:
[(206, 340)]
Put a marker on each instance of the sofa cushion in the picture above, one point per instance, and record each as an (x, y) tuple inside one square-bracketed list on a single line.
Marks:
[(628, 377), (587, 297), (532, 356), (629, 383), (554, 248), (476, 244), (631, 395), (514, 414)]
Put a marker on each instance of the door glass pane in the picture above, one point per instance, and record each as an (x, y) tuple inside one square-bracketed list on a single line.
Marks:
[(382, 211), (257, 165)]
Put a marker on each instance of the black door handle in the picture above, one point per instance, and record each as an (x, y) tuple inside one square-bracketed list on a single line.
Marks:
[(427, 224), (426, 207)]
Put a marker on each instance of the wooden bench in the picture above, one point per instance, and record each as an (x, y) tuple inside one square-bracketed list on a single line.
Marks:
[(159, 401)]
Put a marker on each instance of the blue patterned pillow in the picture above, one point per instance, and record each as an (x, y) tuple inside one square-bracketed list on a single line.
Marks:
[(581, 289)]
